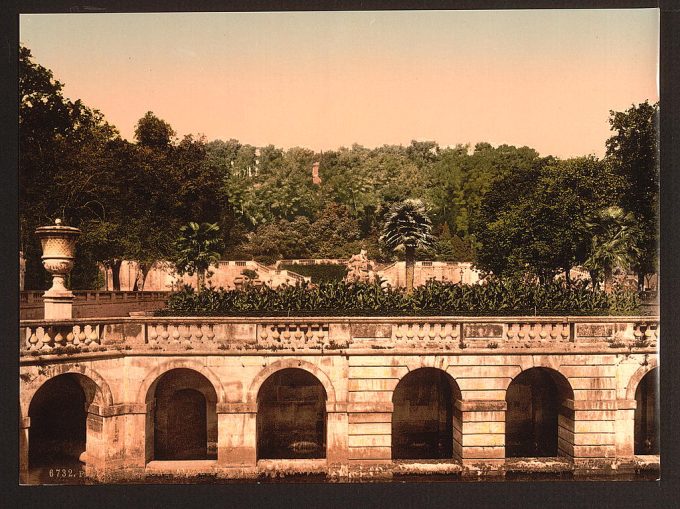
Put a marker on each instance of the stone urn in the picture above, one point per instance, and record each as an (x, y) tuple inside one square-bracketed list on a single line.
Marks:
[(59, 250)]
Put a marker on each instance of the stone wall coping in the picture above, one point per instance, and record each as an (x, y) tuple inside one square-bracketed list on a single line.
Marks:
[(340, 319), (27, 360)]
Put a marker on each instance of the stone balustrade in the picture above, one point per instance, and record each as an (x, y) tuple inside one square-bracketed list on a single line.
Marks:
[(325, 334), (364, 381)]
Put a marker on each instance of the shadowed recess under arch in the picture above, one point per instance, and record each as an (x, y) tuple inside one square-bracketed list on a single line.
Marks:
[(426, 424)]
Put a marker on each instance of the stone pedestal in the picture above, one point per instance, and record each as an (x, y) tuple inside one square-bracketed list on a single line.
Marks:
[(58, 305)]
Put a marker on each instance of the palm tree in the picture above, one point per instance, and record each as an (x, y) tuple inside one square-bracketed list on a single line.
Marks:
[(407, 224), (196, 249), (612, 243)]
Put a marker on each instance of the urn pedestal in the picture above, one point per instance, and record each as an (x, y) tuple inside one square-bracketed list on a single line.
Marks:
[(59, 249)]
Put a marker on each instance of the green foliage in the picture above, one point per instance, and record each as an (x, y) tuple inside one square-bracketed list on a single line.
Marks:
[(320, 273), (503, 207), (633, 152), (534, 220), (452, 248), (613, 233), (153, 132), (250, 274), (196, 249), (407, 224), (499, 297)]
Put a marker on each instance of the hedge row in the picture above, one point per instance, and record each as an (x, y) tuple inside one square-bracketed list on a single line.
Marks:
[(496, 297)]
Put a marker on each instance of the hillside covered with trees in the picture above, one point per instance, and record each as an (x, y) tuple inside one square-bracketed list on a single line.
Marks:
[(508, 209)]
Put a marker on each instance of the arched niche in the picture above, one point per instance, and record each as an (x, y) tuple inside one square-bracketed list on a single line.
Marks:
[(426, 423)]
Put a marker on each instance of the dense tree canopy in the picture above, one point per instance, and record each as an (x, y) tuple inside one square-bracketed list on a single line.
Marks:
[(505, 208)]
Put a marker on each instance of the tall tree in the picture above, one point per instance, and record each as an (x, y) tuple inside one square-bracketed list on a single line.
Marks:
[(408, 225), (633, 152), (153, 132), (63, 162)]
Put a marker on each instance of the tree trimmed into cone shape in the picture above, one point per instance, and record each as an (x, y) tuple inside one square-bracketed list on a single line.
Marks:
[(407, 224), (197, 248)]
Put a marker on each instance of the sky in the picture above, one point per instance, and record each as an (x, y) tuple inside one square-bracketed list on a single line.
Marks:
[(546, 79)]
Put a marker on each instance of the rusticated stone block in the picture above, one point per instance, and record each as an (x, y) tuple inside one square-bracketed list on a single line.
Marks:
[(482, 406), (370, 440), (370, 453), (594, 451), (372, 384), (377, 371), (593, 426), (236, 456), (369, 396), (484, 427), (370, 417), (484, 440), (476, 452), (373, 407), (370, 428)]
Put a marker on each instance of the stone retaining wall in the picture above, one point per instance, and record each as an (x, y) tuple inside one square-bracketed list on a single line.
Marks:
[(359, 362)]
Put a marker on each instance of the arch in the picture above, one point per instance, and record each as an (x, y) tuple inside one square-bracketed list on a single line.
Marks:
[(291, 421), (103, 395), (181, 416), (539, 419), (254, 389), (646, 418), (636, 377), (60, 431), (155, 374), (426, 421)]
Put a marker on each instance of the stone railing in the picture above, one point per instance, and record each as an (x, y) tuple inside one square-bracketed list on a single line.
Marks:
[(325, 334), (87, 303), (36, 297)]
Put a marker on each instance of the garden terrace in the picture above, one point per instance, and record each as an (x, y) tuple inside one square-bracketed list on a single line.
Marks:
[(351, 397)]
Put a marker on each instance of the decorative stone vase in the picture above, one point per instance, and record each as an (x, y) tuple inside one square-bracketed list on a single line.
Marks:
[(59, 250)]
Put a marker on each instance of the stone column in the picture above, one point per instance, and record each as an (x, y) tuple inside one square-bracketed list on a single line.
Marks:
[(237, 434), (337, 433), (482, 432)]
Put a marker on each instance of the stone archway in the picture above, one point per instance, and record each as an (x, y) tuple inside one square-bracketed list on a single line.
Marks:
[(62, 430), (536, 413), (291, 416), (181, 420), (426, 423), (646, 430)]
